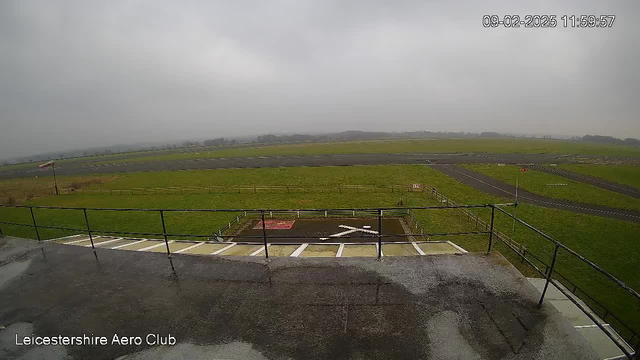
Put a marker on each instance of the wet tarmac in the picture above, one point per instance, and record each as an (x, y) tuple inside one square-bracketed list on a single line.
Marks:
[(419, 307)]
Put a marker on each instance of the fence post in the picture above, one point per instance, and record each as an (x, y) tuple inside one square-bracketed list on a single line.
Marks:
[(35, 226), (164, 231), (379, 234), (264, 236), (86, 220), (546, 285), (493, 215)]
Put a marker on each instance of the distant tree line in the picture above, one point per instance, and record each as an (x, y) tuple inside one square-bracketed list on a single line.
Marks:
[(611, 140), (271, 138), (290, 138), (219, 142)]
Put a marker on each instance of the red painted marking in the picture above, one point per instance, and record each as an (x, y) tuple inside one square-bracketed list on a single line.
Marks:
[(275, 224)]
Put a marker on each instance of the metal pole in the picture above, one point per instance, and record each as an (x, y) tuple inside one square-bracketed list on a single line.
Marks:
[(513, 226), (549, 274), (35, 226), (86, 220), (264, 236), (493, 215), (379, 234), (164, 231), (55, 182)]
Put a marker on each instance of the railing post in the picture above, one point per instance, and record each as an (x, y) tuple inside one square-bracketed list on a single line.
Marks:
[(549, 274), (264, 236), (164, 231), (493, 215), (35, 226), (379, 234), (86, 220)]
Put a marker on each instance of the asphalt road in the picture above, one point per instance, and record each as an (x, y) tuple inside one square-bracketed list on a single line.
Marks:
[(591, 180), (496, 187), (422, 307), (293, 161)]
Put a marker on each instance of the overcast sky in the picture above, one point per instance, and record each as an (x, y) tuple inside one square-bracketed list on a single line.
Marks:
[(86, 73)]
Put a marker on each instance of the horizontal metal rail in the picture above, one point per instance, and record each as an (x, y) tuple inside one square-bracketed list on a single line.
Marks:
[(570, 251), (445, 203), (258, 210)]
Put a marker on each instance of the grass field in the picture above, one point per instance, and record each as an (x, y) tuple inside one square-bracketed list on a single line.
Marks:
[(520, 146), (478, 145), (608, 242), (536, 182), (22, 189), (622, 174)]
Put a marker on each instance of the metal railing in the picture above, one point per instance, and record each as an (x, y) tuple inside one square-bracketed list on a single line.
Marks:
[(550, 270), (379, 213)]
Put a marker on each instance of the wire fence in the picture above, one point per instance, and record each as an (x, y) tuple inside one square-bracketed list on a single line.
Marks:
[(181, 190)]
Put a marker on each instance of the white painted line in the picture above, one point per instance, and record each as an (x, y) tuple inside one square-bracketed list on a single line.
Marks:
[(104, 242), (343, 233), (299, 250), (76, 241), (458, 247), (223, 249), (619, 357), (418, 248), (154, 246), (340, 250), (358, 229), (133, 243), (259, 250), (381, 252), (188, 248), (65, 238), (588, 326)]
